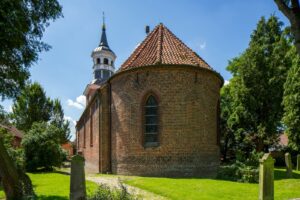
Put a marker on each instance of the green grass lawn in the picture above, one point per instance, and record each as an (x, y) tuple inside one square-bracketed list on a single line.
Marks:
[(206, 189), (52, 186)]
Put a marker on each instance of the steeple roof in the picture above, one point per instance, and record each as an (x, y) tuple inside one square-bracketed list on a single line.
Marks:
[(103, 41), (103, 45), (161, 46)]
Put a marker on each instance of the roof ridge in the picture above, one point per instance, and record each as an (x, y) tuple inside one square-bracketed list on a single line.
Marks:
[(139, 48), (159, 44)]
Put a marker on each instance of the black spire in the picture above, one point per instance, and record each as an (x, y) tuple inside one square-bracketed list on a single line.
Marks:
[(103, 41)]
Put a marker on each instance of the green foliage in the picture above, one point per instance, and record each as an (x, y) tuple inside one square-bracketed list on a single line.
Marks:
[(16, 154), (42, 148), (24, 23), (106, 193), (32, 105), (227, 132), (291, 102), (57, 119), (253, 109), (244, 169)]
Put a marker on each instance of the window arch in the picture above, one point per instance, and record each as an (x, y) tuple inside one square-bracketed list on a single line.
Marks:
[(98, 61), (105, 61), (151, 122)]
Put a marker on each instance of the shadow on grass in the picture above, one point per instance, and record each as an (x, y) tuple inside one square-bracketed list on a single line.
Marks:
[(43, 197), (50, 172), (281, 174)]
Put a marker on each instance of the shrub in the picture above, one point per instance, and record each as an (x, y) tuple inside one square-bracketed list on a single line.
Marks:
[(42, 148), (239, 172), (103, 192)]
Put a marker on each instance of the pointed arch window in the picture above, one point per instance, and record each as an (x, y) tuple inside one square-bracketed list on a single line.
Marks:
[(151, 122)]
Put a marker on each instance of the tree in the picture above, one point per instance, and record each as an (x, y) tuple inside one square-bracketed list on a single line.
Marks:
[(227, 132), (22, 23), (291, 102), (257, 87), (57, 119), (32, 105), (41, 147), (291, 9)]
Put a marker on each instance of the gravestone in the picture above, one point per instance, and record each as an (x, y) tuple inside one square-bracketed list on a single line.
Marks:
[(298, 162), (77, 185), (289, 166), (266, 177)]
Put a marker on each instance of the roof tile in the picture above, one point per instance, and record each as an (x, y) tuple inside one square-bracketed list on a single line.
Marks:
[(161, 46)]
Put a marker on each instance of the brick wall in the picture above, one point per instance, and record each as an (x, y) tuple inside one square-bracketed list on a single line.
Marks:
[(93, 138), (188, 99)]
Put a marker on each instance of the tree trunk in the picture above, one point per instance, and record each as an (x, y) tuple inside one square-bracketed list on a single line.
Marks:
[(295, 26), (16, 184), (293, 15)]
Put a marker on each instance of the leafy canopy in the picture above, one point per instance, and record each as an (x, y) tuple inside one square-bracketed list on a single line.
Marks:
[(41, 147), (22, 23), (256, 89), (291, 102)]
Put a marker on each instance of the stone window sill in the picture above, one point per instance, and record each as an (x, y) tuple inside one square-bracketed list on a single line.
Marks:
[(151, 144)]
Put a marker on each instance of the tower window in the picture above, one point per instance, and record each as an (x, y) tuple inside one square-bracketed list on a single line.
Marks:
[(98, 61), (112, 63), (105, 61), (151, 122)]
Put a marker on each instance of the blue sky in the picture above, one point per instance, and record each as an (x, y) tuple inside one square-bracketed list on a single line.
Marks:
[(217, 30)]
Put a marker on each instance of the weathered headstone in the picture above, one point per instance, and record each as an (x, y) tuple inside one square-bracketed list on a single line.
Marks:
[(77, 185), (298, 162), (289, 166), (266, 177)]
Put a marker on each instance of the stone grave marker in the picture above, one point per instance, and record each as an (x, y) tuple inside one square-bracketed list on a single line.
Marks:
[(266, 177), (289, 166), (77, 184)]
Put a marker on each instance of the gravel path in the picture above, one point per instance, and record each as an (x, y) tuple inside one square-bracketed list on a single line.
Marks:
[(114, 182)]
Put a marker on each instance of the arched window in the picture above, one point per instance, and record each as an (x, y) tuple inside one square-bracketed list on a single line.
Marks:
[(151, 122), (98, 60), (112, 63), (105, 61)]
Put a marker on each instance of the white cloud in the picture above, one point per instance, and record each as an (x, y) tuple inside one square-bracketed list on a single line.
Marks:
[(202, 46), (68, 118), (226, 82), (81, 99), (79, 103)]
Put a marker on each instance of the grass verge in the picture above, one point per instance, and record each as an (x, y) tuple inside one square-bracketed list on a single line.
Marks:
[(208, 189), (52, 186)]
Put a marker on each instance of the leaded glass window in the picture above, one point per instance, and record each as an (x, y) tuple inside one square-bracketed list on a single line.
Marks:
[(151, 121)]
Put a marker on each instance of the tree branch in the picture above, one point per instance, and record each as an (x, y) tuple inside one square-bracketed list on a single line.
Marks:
[(283, 8), (295, 4)]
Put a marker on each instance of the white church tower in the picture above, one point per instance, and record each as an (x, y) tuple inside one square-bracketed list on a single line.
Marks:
[(103, 65), (103, 59)]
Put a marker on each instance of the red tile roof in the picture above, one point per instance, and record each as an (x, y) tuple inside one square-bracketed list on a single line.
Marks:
[(13, 130), (283, 139), (161, 46)]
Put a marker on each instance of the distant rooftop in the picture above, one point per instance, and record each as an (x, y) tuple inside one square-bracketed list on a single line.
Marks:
[(13, 130)]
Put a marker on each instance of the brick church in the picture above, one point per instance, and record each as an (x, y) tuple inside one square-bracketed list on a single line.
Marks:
[(157, 115)]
